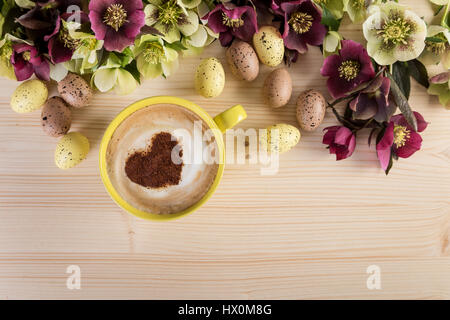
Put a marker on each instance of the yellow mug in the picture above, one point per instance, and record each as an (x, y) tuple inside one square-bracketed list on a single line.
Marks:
[(223, 121)]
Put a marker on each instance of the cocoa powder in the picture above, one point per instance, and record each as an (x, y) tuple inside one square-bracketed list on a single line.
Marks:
[(154, 168)]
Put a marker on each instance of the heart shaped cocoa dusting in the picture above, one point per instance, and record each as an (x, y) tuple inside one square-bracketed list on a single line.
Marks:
[(154, 168)]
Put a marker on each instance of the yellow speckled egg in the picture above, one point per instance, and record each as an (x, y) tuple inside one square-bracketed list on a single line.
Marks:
[(209, 78), (279, 138), (71, 150), (29, 96), (269, 46)]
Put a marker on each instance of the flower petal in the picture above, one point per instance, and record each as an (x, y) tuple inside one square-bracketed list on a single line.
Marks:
[(126, 83), (105, 79), (188, 27), (384, 146), (412, 145)]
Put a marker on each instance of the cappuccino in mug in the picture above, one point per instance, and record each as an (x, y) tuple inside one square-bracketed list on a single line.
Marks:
[(152, 166)]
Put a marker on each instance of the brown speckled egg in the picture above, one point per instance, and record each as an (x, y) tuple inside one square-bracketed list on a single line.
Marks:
[(243, 61), (56, 117), (277, 88), (75, 90), (311, 106)]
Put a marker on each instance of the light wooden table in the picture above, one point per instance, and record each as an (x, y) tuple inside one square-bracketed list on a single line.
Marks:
[(310, 231)]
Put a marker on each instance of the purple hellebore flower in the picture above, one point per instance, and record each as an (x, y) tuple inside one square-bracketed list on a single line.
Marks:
[(26, 61), (117, 22), (373, 101), (231, 21), (348, 69), (60, 44), (400, 138), (301, 24), (340, 140)]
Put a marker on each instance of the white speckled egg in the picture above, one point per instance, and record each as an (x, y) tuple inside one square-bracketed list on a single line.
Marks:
[(288, 136), (71, 150), (277, 88), (311, 107), (243, 61), (29, 96), (269, 46), (209, 78)]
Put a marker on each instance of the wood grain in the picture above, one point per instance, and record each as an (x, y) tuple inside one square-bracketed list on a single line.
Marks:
[(309, 231)]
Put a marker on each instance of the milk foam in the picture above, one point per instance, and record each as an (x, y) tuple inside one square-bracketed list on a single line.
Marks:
[(135, 134)]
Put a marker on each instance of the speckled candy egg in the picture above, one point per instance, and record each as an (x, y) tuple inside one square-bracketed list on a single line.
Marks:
[(209, 78), (277, 88), (269, 46), (71, 150), (56, 117), (288, 136), (311, 106), (243, 61), (75, 90), (29, 96)]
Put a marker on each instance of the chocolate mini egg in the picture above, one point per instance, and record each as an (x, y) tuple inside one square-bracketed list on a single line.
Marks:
[(75, 90), (269, 46), (56, 117), (243, 61), (277, 88), (209, 78), (311, 106), (29, 96), (71, 150)]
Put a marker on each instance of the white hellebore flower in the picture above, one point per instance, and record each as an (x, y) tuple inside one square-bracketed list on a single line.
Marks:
[(393, 33)]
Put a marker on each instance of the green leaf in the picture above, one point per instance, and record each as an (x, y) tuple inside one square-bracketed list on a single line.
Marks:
[(329, 20), (419, 72), (132, 68), (402, 102), (402, 77)]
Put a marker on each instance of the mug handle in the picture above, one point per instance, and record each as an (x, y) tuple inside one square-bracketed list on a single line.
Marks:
[(230, 117)]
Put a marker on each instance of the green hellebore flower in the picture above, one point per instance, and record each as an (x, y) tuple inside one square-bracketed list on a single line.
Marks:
[(112, 75), (356, 10), (336, 7), (154, 57), (437, 47), (6, 68), (88, 51), (442, 90), (393, 33), (171, 19), (440, 84)]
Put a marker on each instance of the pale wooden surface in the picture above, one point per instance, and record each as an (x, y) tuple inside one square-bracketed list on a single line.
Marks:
[(308, 232)]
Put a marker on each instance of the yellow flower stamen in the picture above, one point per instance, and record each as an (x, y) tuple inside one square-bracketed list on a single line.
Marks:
[(115, 16), (358, 4), (349, 69), (301, 22), (232, 23), (437, 48), (26, 55), (153, 53), (395, 30), (169, 13), (401, 135), (67, 40)]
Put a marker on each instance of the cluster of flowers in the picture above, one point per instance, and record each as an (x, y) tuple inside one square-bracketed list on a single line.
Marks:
[(117, 42), (120, 42), (374, 82)]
